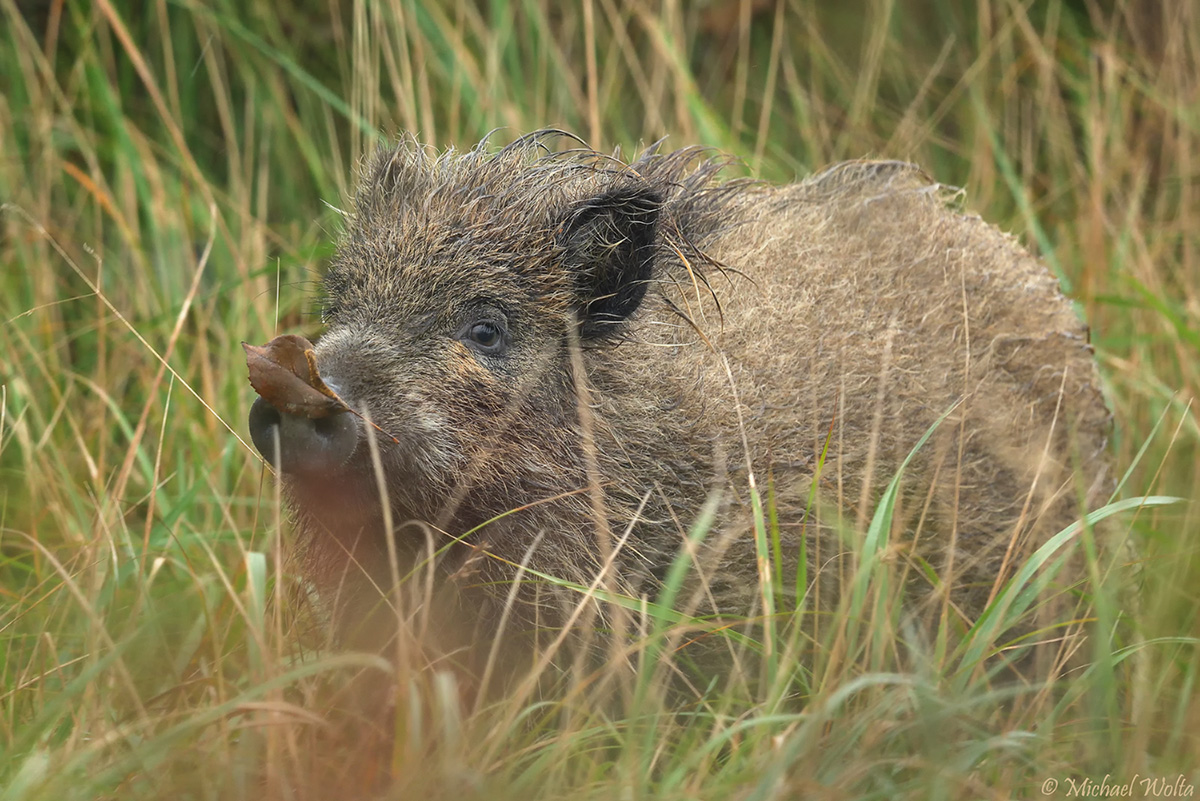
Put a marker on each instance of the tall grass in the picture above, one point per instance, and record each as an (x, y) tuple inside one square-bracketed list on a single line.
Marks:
[(163, 170)]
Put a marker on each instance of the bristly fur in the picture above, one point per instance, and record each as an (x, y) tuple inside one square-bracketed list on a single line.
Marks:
[(629, 296), (525, 188)]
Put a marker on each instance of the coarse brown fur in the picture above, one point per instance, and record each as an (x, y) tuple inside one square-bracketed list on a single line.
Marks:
[(857, 305)]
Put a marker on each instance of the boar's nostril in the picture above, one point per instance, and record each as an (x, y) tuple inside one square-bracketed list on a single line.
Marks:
[(296, 444), (264, 428)]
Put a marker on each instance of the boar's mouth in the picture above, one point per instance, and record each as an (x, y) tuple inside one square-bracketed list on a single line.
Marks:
[(330, 473), (307, 431)]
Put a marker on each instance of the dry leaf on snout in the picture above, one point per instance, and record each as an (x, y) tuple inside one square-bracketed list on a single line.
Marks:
[(284, 373)]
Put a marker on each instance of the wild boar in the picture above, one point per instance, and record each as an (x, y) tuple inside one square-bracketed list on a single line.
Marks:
[(565, 355)]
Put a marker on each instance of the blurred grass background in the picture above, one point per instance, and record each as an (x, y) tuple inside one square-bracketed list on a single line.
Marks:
[(165, 172)]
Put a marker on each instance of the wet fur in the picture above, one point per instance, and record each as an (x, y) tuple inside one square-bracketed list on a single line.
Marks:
[(858, 302)]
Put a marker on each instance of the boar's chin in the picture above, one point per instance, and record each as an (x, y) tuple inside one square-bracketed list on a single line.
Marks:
[(342, 502), (348, 502)]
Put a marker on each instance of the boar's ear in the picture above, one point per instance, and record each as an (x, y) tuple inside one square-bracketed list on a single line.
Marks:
[(608, 242)]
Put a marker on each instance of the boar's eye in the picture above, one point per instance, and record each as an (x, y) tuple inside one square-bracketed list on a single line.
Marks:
[(486, 336)]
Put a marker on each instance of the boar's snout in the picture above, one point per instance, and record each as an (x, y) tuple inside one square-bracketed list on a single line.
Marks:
[(301, 445)]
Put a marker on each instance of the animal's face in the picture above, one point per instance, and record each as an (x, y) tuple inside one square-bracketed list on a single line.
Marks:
[(448, 364), (452, 305)]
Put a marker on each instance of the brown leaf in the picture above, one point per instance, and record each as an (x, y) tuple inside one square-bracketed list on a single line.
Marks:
[(284, 373)]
